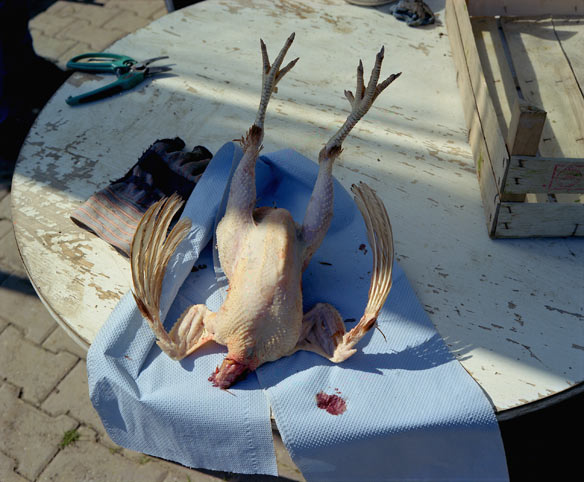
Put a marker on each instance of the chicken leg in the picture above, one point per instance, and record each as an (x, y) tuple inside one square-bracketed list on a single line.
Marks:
[(319, 211), (238, 218)]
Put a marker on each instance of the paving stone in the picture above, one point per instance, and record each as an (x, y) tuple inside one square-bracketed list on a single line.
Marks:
[(5, 227), (56, 8), (85, 461), (96, 15), (5, 209), (7, 473), (4, 191), (49, 47), (77, 49), (71, 397), (127, 22), (159, 13), (22, 307), (49, 24), (59, 340), (10, 261), (142, 8), (98, 38), (27, 435), (6, 172), (181, 474), (5, 213), (28, 366)]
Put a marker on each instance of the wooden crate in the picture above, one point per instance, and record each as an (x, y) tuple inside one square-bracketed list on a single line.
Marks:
[(521, 79)]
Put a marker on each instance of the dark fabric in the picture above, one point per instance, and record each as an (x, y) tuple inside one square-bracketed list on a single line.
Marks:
[(16, 51), (114, 212)]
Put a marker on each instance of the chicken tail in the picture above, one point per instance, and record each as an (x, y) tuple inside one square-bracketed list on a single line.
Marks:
[(323, 329), (381, 242), (380, 239), (150, 252)]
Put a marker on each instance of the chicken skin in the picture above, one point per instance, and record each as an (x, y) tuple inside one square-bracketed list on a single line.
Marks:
[(263, 252)]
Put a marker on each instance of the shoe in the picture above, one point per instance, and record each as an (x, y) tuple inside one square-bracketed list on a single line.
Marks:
[(369, 3)]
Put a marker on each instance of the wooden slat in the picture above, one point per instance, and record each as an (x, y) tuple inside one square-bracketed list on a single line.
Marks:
[(523, 138), (488, 186), (487, 113), (489, 191), (570, 32), (463, 79), (545, 175), (525, 128), (547, 80), (517, 220), (496, 69), (525, 7), (569, 198)]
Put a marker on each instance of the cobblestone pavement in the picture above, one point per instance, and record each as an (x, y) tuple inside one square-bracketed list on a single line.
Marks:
[(66, 29), (49, 430)]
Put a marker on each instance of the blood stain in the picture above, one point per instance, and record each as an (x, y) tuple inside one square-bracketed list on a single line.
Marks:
[(333, 404)]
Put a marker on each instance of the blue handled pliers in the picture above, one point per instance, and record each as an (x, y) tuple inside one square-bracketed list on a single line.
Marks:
[(130, 73)]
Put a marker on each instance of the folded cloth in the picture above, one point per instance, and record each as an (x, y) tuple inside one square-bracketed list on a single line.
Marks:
[(398, 409), (114, 212)]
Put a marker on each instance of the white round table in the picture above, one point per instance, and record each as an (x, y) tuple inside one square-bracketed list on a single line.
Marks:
[(511, 311)]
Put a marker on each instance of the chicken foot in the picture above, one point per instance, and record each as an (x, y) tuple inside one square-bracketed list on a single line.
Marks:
[(323, 329)]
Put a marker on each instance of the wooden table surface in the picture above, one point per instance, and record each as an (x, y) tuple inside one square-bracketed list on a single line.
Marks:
[(510, 310)]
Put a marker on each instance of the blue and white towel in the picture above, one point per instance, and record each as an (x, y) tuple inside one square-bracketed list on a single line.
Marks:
[(412, 412)]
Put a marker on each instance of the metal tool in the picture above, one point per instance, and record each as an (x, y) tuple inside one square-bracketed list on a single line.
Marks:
[(130, 73)]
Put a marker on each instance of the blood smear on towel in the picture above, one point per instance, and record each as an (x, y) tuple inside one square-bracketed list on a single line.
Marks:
[(333, 404)]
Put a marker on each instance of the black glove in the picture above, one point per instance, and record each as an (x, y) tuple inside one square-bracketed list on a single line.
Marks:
[(114, 212)]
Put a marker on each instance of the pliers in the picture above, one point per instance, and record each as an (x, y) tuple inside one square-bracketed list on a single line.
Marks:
[(130, 73)]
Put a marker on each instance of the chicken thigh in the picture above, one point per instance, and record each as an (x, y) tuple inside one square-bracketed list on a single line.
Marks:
[(263, 253)]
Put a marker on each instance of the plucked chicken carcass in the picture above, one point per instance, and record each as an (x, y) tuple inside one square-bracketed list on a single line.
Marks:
[(264, 252)]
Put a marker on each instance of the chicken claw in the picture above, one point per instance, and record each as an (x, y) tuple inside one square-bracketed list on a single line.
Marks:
[(360, 102), (271, 75)]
